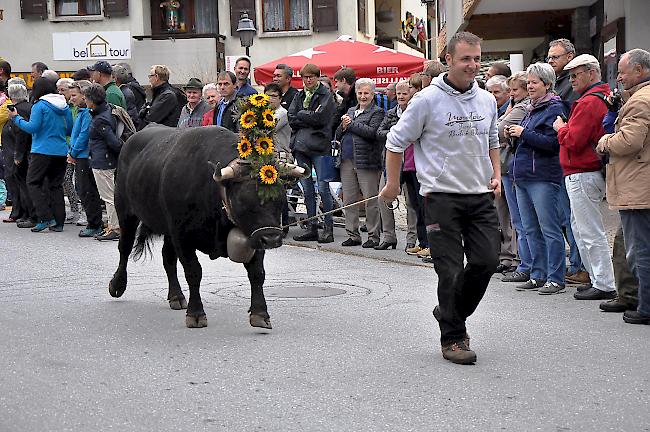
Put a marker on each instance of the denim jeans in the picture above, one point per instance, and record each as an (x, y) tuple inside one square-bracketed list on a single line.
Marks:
[(526, 259), (3, 192), (309, 190), (538, 207), (636, 230), (586, 191), (575, 263)]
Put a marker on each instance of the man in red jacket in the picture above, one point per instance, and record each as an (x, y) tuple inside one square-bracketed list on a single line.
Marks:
[(582, 174)]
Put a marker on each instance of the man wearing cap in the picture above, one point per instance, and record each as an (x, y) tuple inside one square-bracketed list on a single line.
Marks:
[(192, 113), (102, 73), (583, 178)]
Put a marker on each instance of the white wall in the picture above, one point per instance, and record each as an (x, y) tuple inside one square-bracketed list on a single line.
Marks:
[(637, 30)]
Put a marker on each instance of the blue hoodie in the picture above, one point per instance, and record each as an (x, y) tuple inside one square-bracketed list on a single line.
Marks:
[(80, 133), (49, 123), (537, 150)]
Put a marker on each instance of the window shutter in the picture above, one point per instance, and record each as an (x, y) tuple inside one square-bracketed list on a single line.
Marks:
[(236, 8), (33, 9), (325, 13), (361, 16), (116, 8)]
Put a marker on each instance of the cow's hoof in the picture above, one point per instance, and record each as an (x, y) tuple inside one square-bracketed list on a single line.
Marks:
[(115, 289), (260, 321), (178, 303), (196, 321)]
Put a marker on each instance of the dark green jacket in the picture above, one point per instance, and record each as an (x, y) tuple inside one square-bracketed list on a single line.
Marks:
[(114, 95)]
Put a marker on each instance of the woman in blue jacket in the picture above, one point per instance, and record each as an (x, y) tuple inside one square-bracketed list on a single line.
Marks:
[(79, 156), (49, 124), (537, 175)]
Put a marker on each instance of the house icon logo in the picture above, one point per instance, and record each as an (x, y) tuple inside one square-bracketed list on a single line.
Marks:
[(98, 47)]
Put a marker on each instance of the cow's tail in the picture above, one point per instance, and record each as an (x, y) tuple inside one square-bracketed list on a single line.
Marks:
[(143, 242)]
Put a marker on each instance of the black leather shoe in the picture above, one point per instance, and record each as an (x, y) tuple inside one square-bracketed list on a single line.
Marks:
[(370, 244), (594, 294), (386, 245), (583, 287), (634, 317), (363, 228), (309, 235), (351, 242), (501, 268), (616, 305)]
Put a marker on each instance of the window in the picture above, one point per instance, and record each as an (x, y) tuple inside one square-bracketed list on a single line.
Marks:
[(285, 15), (77, 7), (362, 17)]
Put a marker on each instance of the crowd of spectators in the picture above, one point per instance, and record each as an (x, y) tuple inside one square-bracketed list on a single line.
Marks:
[(62, 139)]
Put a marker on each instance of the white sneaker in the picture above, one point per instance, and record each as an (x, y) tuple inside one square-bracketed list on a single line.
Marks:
[(83, 221), (72, 218)]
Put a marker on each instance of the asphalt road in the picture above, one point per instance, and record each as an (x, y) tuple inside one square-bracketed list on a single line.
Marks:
[(354, 347)]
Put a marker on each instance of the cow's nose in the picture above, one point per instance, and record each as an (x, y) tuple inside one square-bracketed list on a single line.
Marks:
[(270, 241)]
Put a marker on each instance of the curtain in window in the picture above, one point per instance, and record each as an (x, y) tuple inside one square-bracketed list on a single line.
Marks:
[(78, 7), (299, 19), (93, 7), (273, 15), (67, 7), (206, 14)]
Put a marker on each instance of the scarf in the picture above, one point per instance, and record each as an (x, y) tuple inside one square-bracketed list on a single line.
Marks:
[(547, 97), (309, 93)]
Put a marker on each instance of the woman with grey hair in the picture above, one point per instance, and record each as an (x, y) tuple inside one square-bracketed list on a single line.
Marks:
[(361, 162), (536, 172), (16, 145), (121, 75)]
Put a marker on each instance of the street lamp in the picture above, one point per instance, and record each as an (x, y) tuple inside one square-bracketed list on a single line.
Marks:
[(246, 31)]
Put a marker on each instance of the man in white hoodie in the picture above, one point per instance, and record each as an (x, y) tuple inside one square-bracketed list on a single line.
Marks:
[(453, 124)]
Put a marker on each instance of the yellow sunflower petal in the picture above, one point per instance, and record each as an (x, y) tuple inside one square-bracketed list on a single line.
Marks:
[(268, 174), (268, 118), (248, 119), (258, 100)]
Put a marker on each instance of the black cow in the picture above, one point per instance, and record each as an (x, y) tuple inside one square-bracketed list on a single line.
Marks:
[(166, 186)]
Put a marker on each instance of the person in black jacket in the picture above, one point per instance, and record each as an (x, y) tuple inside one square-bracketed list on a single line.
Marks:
[(310, 117), (104, 146), (139, 93), (164, 108), (16, 145), (344, 80), (121, 77), (361, 162), (226, 113)]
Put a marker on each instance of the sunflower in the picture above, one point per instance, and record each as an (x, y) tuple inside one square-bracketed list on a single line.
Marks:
[(264, 145), (268, 174), (259, 99), (248, 120), (268, 118), (244, 148)]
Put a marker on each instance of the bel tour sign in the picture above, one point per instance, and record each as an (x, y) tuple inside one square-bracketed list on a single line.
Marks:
[(109, 45)]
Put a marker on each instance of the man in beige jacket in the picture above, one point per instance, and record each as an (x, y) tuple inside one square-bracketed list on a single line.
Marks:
[(628, 172)]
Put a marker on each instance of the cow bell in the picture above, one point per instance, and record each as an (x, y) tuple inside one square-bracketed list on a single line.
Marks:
[(239, 250)]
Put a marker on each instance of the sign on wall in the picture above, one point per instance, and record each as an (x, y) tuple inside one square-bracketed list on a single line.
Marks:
[(109, 45)]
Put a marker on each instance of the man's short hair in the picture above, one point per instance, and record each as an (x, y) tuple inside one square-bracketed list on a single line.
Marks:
[(40, 67), (121, 74), (501, 68), (310, 69), (64, 82), (564, 43), (127, 67), (81, 74), (17, 92), (639, 57), (51, 75), (544, 72), (246, 59), (288, 72), (467, 37), (273, 87), (433, 68), (5, 66), (227, 74), (162, 71), (345, 74), (497, 80), (361, 82), (95, 93)]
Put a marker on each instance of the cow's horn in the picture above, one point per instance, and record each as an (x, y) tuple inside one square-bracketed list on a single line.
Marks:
[(295, 170), (221, 174)]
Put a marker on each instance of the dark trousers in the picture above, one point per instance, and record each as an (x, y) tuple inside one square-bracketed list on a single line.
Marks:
[(636, 230), (410, 179), (626, 284), (461, 225), (45, 182), (25, 205), (88, 193)]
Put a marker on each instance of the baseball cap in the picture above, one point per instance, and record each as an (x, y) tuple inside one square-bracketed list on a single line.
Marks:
[(101, 66)]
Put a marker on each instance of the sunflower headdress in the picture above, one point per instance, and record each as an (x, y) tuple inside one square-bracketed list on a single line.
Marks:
[(256, 146)]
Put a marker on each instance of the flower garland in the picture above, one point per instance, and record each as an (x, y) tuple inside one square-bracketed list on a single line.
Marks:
[(256, 146)]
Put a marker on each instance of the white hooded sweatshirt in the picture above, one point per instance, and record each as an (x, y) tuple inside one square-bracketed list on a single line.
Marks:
[(453, 133)]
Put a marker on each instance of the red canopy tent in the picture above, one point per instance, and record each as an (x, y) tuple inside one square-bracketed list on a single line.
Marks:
[(381, 64)]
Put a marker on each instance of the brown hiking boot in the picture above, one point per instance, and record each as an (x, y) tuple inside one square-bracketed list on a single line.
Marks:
[(436, 315), (458, 352), (579, 277)]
